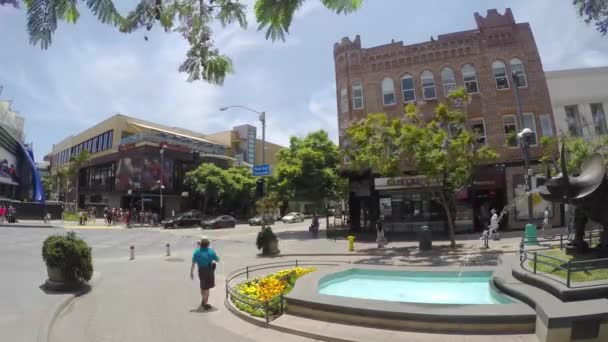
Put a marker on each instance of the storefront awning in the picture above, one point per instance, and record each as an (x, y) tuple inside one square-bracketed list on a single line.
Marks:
[(8, 181)]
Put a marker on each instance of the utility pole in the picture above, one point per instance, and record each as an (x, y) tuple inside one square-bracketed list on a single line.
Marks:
[(162, 167)]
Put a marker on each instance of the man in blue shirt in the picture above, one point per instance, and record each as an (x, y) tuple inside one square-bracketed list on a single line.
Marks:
[(205, 258)]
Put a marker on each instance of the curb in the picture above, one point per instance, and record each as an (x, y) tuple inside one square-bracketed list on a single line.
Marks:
[(45, 330)]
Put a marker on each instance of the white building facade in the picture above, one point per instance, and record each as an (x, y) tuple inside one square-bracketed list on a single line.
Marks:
[(579, 98)]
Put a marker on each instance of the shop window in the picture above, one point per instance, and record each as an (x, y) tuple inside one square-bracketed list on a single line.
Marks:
[(479, 129), (510, 129), (546, 125), (469, 77), (448, 79), (388, 91), (357, 95), (517, 68), (499, 69), (599, 119), (428, 85), (407, 85)]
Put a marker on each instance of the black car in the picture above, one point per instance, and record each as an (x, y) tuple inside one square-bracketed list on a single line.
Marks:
[(187, 219), (257, 220), (224, 221)]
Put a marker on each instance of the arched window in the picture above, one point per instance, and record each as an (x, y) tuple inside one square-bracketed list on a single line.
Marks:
[(469, 76), (517, 67), (344, 100), (428, 85), (388, 91), (448, 79), (357, 95), (407, 85), (499, 69)]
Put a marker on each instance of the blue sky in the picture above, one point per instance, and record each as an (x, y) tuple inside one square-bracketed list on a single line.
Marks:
[(91, 71)]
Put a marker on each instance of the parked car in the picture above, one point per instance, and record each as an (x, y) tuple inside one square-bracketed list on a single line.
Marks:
[(223, 221), (186, 219), (257, 220), (293, 217)]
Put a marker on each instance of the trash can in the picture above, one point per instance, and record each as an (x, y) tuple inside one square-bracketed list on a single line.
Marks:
[(425, 239), (530, 234)]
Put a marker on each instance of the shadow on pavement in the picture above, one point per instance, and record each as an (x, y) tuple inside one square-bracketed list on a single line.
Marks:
[(75, 290), (203, 311)]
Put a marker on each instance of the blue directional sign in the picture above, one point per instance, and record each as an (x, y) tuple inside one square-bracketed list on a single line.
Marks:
[(261, 170)]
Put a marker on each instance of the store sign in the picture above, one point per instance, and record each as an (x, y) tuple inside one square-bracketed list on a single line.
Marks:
[(125, 147), (403, 182)]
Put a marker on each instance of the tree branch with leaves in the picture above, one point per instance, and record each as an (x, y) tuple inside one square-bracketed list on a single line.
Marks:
[(191, 18)]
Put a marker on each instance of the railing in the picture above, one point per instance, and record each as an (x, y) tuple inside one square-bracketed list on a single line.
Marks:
[(570, 266), (275, 306), (589, 236)]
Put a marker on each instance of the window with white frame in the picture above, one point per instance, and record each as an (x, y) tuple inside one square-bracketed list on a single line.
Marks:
[(469, 77), (388, 91), (510, 128), (499, 70), (517, 67), (573, 119), (599, 119), (530, 122), (448, 79), (428, 85), (478, 127), (357, 95), (407, 85), (454, 129), (546, 125), (344, 100)]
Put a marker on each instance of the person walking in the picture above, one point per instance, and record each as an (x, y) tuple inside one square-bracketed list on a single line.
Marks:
[(546, 222), (380, 238), (494, 225), (205, 258)]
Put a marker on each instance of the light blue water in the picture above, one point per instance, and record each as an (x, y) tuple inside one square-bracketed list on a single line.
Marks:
[(414, 287)]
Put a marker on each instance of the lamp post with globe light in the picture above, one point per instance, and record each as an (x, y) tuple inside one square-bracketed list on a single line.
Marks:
[(524, 137)]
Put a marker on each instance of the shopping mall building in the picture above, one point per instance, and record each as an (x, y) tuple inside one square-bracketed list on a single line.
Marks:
[(131, 159)]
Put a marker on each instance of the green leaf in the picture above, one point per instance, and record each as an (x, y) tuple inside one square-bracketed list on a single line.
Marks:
[(105, 11), (41, 22), (72, 14), (343, 6)]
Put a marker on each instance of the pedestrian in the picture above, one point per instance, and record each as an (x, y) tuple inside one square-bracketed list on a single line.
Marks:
[(128, 218), (10, 215), (106, 215), (494, 225), (2, 213), (546, 222), (380, 239), (154, 218), (205, 258), (172, 212)]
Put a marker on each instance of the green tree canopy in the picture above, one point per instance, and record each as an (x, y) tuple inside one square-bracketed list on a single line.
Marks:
[(444, 149), (578, 150), (308, 168), (373, 143), (190, 18)]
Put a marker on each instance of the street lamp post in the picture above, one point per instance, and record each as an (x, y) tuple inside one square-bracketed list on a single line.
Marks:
[(524, 136), (262, 117), (162, 167)]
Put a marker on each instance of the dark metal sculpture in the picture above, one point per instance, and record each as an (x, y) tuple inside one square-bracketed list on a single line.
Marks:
[(588, 193)]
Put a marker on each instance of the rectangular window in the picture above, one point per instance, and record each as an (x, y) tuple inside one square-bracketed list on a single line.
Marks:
[(479, 129), (573, 119), (599, 119), (454, 129), (344, 100), (428, 88), (546, 125), (530, 122), (357, 96), (500, 75), (510, 129), (94, 142), (389, 99), (110, 139), (409, 94)]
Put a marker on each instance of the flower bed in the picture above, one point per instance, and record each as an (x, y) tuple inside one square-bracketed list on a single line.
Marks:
[(253, 294)]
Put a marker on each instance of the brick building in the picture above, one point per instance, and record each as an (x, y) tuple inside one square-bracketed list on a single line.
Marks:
[(483, 60)]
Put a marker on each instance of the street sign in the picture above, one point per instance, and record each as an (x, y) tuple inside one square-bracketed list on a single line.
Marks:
[(261, 170)]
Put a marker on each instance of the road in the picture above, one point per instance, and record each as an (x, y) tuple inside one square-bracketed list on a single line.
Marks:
[(24, 303)]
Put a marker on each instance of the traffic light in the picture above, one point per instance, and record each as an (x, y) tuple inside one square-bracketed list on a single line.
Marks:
[(259, 188)]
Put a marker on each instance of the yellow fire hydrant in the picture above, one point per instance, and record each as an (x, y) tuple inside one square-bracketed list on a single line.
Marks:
[(351, 243)]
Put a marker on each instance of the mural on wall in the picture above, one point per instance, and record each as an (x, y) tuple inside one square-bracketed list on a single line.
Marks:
[(143, 172), (521, 200), (8, 170)]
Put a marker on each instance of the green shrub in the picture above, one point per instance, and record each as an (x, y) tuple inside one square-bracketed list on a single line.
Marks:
[(70, 216), (69, 253)]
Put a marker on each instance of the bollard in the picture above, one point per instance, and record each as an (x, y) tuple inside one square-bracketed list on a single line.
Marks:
[(351, 243), (168, 249), (132, 252)]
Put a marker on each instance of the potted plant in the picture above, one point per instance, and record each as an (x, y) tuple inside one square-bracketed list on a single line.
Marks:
[(68, 260)]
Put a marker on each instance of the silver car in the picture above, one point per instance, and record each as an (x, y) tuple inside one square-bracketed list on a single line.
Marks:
[(293, 217)]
